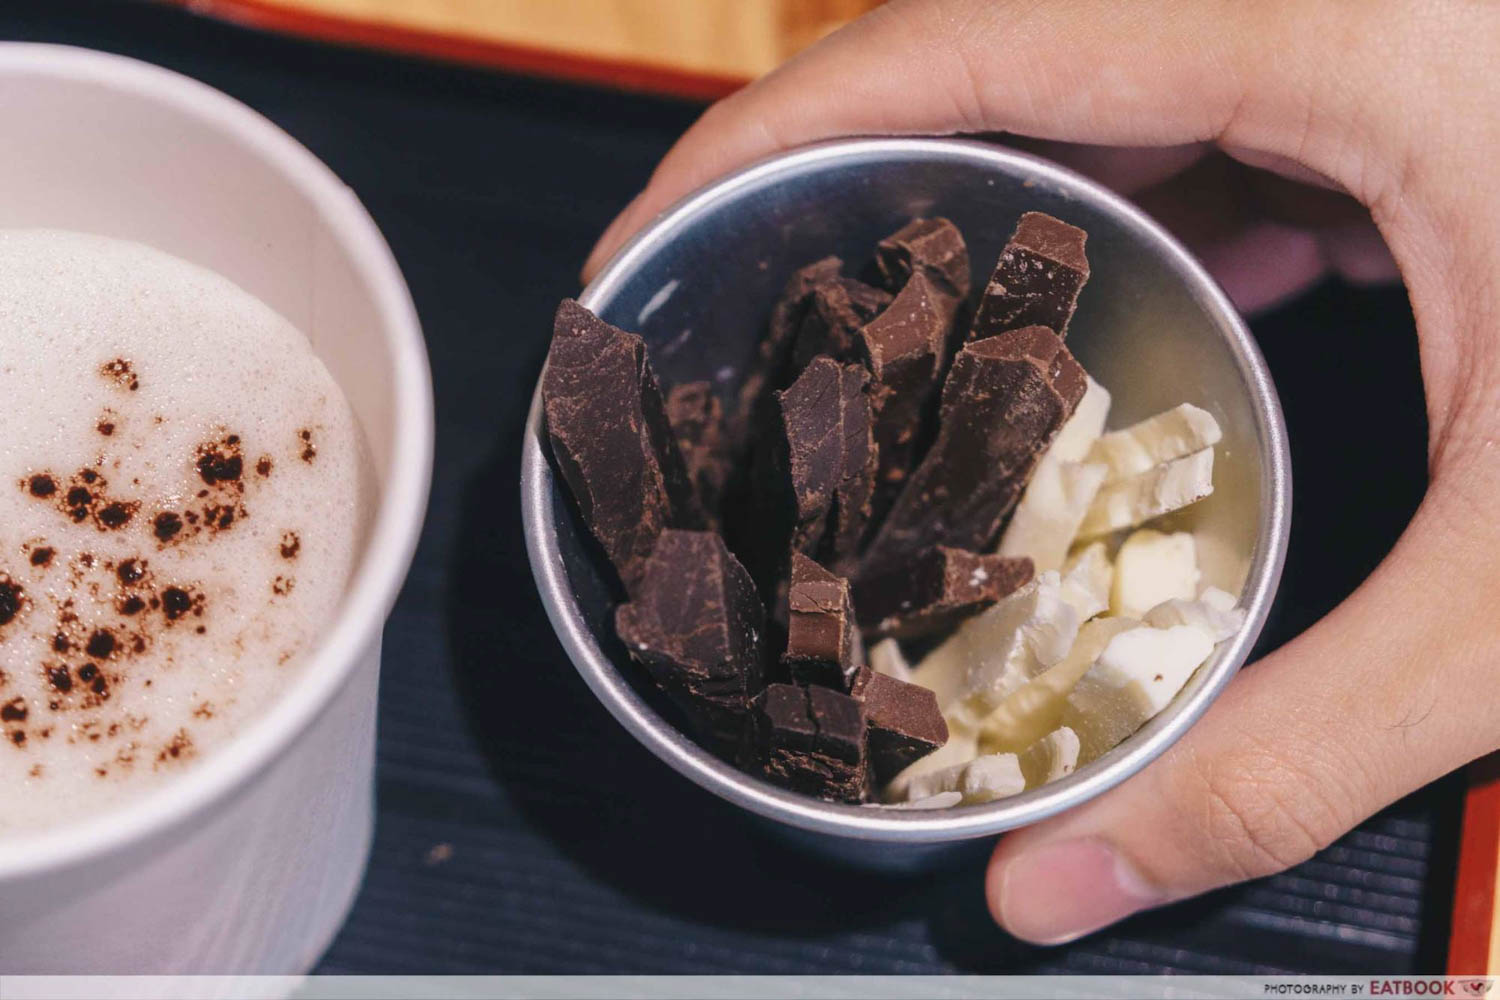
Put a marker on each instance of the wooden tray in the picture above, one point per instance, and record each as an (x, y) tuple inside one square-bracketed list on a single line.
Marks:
[(690, 48)]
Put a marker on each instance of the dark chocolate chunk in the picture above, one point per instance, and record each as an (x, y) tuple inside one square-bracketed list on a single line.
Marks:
[(823, 645), (1037, 279), (697, 419), (932, 247), (936, 590), (903, 348), (612, 441), (771, 368), (834, 314), (698, 627), (1004, 400), (811, 740), (831, 458), (903, 721)]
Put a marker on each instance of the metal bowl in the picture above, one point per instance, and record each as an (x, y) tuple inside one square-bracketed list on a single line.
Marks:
[(1151, 325)]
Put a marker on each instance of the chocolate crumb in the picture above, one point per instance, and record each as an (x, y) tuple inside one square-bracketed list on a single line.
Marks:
[(41, 486), (290, 545), (18, 737), (88, 672), (13, 710), (130, 571), (309, 450), (60, 643), (283, 585), (88, 475), (106, 428), (132, 605), (263, 467), (42, 556)]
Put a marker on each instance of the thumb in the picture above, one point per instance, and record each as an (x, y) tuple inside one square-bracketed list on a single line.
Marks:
[(1376, 700)]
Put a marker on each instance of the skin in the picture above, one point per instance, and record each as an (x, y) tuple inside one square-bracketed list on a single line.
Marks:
[(1314, 136)]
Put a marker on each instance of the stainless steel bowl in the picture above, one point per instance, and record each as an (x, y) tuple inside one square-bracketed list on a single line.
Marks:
[(1152, 326)]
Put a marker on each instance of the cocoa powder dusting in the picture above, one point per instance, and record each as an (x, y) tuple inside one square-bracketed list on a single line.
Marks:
[(121, 372), (11, 596), (166, 526)]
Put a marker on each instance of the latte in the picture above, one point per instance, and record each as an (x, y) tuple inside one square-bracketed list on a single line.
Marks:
[(182, 491)]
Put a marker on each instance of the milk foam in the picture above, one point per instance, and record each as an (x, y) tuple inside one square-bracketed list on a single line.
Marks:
[(180, 507)]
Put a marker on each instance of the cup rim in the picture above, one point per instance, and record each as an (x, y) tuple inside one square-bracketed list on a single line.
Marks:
[(898, 825), (393, 536)]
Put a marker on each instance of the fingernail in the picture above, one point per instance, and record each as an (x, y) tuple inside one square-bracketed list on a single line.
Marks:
[(1059, 892)]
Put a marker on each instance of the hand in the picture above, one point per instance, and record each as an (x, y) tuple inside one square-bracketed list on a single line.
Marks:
[(1336, 104)]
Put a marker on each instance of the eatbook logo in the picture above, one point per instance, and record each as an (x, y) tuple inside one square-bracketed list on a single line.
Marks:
[(1475, 987)]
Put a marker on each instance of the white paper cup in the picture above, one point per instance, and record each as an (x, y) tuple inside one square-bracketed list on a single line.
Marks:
[(249, 862)]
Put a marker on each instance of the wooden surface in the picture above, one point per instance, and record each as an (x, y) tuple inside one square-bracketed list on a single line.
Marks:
[(694, 48)]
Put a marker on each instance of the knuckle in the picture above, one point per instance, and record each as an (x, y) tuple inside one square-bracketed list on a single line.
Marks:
[(1261, 813)]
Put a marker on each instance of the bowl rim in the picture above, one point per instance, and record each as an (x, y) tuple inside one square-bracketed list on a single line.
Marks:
[(902, 825), (398, 517)]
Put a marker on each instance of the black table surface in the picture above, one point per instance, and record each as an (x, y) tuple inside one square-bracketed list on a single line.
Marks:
[(520, 829)]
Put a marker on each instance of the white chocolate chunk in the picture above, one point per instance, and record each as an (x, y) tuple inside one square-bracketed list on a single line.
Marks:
[(1047, 518), (961, 748), (1083, 428), (1036, 708), (1219, 599), (1049, 758), (1206, 613), (1160, 490), (1007, 645), (1151, 568), (1087, 580), (942, 800), (1141, 447), (886, 658), (983, 779), (1138, 673)]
